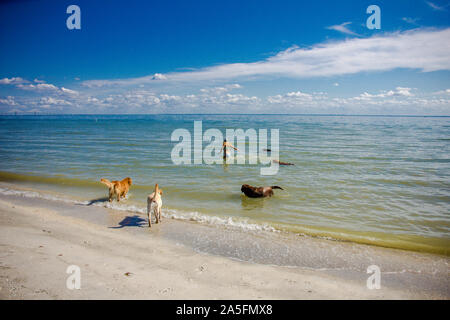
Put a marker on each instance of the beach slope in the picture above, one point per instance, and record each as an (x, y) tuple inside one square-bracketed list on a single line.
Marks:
[(37, 246)]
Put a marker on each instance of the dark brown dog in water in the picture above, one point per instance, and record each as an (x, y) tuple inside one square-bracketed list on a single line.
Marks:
[(258, 192), (281, 163)]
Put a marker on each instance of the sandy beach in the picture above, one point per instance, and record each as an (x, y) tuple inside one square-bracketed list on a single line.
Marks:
[(38, 242)]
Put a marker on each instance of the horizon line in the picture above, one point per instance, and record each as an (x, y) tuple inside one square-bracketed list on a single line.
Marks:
[(212, 114)]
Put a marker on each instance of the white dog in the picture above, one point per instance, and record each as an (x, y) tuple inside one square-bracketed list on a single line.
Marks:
[(156, 199)]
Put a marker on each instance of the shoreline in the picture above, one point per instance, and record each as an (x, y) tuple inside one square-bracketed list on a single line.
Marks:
[(54, 188), (305, 268)]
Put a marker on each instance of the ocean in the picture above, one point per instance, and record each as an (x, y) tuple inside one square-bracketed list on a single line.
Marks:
[(378, 180)]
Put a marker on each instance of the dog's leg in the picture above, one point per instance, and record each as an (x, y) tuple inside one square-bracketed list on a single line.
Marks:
[(158, 209), (110, 195), (149, 213)]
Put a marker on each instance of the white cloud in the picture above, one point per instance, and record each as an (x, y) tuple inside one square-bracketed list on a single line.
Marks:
[(396, 101), (54, 101), (400, 100), (446, 91), (159, 76), (167, 97), (240, 99), (65, 90), (37, 87), (399, 91), (435, 6), (409, 20), (422, 49), (298, 94), (9, 101), (13, 80), (342, 28), (295, 98), (403, 92), (219, 90)]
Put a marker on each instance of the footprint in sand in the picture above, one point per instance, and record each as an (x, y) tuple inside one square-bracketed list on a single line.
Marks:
[(202, 268), (166, 290)]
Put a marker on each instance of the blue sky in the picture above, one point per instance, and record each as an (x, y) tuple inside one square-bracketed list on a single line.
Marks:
[(225, 56)]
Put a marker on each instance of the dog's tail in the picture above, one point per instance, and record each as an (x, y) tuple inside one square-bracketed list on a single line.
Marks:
[(157, 190), (106, 182), (277, 187)]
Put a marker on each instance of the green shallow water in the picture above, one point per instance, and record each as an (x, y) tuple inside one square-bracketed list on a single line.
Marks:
[(374, 180)]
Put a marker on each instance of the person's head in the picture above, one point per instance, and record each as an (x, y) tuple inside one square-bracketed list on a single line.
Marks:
[(224, 140)]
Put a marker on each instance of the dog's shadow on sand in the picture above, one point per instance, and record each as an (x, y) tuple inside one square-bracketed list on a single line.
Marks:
[(131, 221), (94, 201)]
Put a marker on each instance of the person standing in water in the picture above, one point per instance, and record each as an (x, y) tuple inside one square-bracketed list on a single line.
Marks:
[(224, 148)]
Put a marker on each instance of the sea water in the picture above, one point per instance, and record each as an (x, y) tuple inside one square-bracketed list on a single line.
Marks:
[(369, 179)]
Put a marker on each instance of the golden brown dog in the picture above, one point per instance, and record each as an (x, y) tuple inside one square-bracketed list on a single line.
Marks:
[(118, 188), (258, 192)]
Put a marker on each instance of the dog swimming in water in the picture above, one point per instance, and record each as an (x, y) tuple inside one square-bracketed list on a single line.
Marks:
[(258, 192)]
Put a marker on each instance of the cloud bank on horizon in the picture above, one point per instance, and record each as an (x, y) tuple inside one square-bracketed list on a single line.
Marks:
[(221, 88)]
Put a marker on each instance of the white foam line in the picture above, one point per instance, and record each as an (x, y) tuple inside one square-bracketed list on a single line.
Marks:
[(33, 194)]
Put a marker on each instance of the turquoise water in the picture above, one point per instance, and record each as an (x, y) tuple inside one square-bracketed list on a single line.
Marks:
[(377, 180)]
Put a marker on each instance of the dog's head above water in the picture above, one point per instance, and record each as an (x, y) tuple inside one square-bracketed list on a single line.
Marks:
[(245, 187)]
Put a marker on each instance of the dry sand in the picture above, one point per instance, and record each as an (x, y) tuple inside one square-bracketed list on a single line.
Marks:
[(38, 244)]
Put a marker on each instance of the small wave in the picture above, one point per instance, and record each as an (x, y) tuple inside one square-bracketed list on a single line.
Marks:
[(242, 224), (33, 194)]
